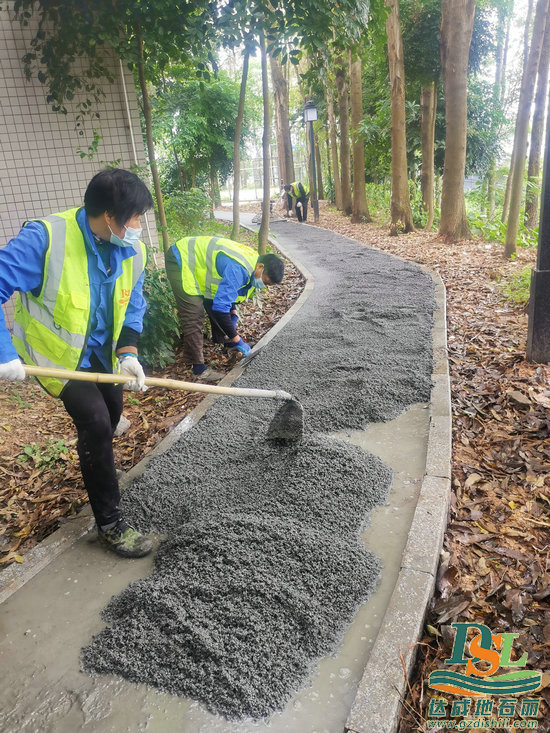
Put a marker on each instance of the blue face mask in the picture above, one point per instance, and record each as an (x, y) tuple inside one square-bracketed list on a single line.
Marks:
[(131, 237), (258, 283)]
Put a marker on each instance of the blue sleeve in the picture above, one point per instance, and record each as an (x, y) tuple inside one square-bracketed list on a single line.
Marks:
[(136, 307), (21, 269), (234, 277)]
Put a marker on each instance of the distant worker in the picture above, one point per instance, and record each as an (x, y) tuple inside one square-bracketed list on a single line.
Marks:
[(297, 197), (80, 306), (213, 274)]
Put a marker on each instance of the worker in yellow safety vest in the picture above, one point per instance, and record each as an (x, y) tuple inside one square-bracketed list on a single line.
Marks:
[(298, 197), (213, 274), (79, 276)]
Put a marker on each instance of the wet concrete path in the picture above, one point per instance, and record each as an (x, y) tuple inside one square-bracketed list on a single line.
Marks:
[(362, 318)]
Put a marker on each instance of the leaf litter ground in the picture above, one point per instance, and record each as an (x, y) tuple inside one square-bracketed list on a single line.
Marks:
[(495, 564)]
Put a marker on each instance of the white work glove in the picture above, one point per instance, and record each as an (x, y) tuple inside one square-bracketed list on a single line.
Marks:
[(299, 205), (12, 370), (130, 367), (290, 212)]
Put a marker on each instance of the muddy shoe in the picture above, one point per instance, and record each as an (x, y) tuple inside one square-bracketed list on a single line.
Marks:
[(209, 375), (125, 540)]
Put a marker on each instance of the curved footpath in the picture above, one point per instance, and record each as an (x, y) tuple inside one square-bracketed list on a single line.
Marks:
[(285, 569)]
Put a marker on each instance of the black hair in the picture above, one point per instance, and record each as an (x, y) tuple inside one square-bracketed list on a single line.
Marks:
[(119, 192), (274, 267), (287, 186)]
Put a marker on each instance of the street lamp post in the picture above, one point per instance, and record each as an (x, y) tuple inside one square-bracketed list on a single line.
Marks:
[(310, 114), (538, 330)]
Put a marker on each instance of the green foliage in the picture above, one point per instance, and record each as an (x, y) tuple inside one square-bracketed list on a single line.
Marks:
[(516, 287), (131, 400), (378, 197), (45, 454), (161, 327), (492, 229), (16, 399), (185, 212)]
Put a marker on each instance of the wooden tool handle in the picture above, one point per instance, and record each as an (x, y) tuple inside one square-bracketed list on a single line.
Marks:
[(155, 382)]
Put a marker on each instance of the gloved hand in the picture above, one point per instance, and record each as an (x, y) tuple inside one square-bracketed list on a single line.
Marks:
[(234, 319), (130, 367), (290, 212), (243, 347), (12, 370), (299, 205)]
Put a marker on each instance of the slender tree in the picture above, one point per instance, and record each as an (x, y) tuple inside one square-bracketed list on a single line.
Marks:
[(343, 115), (428, 107), (535, 148), (334, 150), (360, 211), (280, 105), (457, 21), (237, 147), (264, 226), (401, 214), (522, 125), (526, 34)]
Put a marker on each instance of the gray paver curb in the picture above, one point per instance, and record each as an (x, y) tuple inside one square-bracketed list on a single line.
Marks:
[(16, 575), (377, 704)]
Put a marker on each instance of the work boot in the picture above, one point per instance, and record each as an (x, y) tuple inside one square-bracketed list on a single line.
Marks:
[(209, 375), (124, 540)]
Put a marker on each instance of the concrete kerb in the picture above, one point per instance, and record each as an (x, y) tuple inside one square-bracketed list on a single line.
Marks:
[(380, 693), (16, 575)]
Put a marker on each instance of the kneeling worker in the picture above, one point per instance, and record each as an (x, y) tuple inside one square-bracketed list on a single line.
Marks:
[(298, 196), (80, 306), (212, 274)]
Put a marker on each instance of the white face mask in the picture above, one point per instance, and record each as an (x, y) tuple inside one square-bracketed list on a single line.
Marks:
[(131, 237), (258, 283)]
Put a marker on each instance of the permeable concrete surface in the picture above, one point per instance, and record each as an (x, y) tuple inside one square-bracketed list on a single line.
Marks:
[(263, 603)]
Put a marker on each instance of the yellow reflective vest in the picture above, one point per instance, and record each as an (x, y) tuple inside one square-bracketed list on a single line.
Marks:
[(52, 328), (295, 191), (199, 275)]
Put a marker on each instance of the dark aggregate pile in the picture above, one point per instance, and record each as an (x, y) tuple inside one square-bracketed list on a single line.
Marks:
[(263, 567)]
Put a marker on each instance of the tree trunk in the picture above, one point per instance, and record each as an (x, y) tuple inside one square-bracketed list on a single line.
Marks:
[(345, 156), (457, 21), (280, 104), (360, 210), (179, 168), (522, 126), (237, 149), (212, 189), (401, 214), (503, 26), (319, 169), (428, 105), (147, 115), (535, 149), (334, 151), (526, 31), (264, 226)]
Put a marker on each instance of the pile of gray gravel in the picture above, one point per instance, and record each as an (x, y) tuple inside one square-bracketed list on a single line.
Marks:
[(263, 567)]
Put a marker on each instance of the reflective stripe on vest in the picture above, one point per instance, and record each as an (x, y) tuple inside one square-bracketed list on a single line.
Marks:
[(52, 328), (198, 263)]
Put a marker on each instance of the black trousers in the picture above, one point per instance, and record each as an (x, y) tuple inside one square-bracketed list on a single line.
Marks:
[(96, 410), (301, 211)]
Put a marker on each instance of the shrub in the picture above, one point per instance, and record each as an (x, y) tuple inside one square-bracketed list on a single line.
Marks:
[(185, 212), (516, 287), (161, 328)]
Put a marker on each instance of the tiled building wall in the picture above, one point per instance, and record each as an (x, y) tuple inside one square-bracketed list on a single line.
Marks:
[(40, 169)]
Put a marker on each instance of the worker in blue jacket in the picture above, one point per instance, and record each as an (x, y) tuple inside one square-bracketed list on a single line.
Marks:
[(79, 278), (213, 274)]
